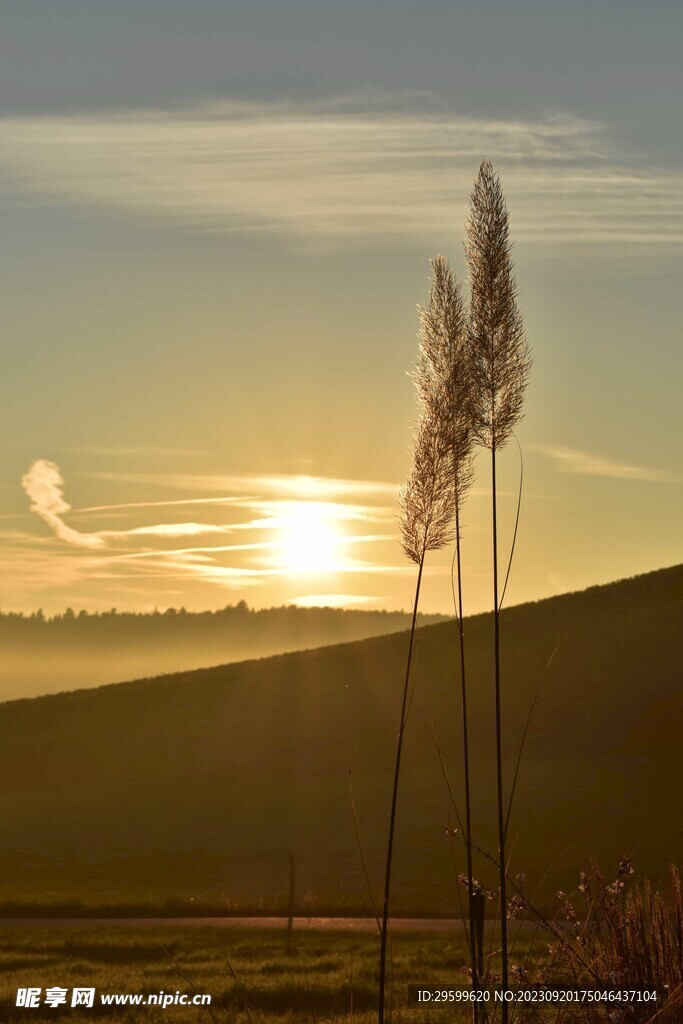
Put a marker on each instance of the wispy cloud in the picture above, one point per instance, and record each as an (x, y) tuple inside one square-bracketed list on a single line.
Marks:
[(299, 526), (571, 460), (297, 485), (164, 530), (337, 173), (139, 505), (43, 484), (333, 600)]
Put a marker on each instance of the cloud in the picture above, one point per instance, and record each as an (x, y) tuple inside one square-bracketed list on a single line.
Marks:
[(332, 600), (196, 554), (571, 460), (296, 485), (340, 173), (284, 507), (165, 530), (94, 510), (43, 484)]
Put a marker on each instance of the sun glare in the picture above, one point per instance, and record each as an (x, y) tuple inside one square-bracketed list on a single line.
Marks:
[(309, 539)]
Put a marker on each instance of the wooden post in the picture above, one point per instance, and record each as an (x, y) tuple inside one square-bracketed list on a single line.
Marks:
[(290, 912)]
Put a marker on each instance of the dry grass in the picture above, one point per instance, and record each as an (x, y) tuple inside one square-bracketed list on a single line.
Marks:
[(610, 936), (629, 938)]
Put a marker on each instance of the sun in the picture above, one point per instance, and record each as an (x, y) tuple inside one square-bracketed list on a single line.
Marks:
[(309, 539)]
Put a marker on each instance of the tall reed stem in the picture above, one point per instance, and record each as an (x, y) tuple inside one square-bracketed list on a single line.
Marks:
[(466, 754), (394, 800), (499, 745)]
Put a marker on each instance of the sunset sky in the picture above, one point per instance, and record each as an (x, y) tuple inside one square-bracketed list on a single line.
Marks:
[(217, 221)]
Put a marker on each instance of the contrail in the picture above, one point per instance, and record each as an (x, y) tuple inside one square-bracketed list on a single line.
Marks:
[(43, 484)]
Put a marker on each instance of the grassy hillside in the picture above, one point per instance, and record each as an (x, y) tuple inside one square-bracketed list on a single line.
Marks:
[(198, 785)]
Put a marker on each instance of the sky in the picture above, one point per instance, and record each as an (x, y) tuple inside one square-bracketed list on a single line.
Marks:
[(217, 221)]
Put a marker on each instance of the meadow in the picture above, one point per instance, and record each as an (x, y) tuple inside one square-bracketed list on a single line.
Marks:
[(328, 976), (256, 975)]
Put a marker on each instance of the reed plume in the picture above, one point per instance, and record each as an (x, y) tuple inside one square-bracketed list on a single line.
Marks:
[(426, 501), (500, 369), (500, 355), (444, 384), (426, 513)]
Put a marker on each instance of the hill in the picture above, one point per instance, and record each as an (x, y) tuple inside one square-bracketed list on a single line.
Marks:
[(198, 785), (68, 651)]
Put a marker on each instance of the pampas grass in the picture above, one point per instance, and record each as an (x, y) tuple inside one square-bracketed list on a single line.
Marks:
[(426, 501), (500, 369), (471, 377), (426, 504), (444, 383)]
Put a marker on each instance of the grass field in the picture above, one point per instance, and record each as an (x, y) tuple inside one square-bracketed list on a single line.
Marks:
[(328, 976)]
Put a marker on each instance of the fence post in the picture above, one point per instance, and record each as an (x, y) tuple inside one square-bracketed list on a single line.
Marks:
[(290, 912)]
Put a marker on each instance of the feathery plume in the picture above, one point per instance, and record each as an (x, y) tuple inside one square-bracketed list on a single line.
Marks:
[(426, 500), (443, 375), (500, 356)]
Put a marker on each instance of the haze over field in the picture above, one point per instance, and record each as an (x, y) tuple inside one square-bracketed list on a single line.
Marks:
[(67, 652)]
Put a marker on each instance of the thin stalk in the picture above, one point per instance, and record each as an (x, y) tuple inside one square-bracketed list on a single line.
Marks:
[(529, 716), (466, 754), (394, 800), (362, 856), (514, 532), (185, 976), (499, 746)]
